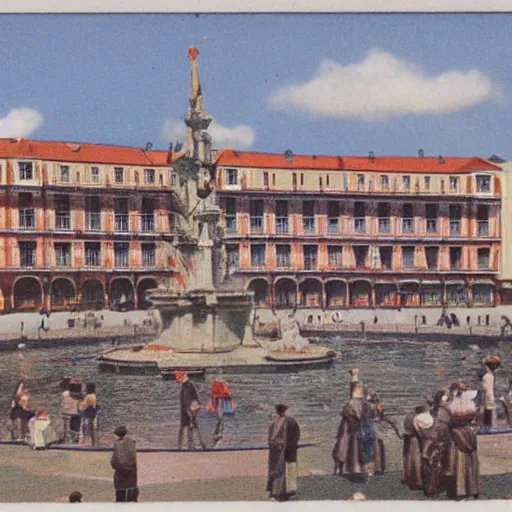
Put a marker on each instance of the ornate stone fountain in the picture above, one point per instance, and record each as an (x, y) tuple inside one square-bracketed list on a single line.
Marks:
[(201, 325)]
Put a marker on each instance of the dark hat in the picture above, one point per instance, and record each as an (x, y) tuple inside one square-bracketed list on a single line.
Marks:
[(75, 497), (281, 408), (120, 431)]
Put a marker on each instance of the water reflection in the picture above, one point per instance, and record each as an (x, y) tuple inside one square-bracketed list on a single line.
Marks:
[(402, 373)]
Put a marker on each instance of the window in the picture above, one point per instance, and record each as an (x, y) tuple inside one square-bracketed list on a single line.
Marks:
[(119, 174), (333, 216), (95, 174), (265, 179), (64, 173), (92, 213), (483, 183), (121, 254), (121, 216), (231, 215), (320, 182), (431, 218), (233, 256), (432, 255), (384, 182), (310, 256), (232, 176), (62, 254), (359, 217), (281, 216), (92, 254), (426, 182), (345, 182), (308, 216), (26, 170), (256, 211), (258, 255), (273, 179), (360, 181), (148, 215), (149, 176), (62, 213), (335, 255), (294, 180), (482, 220), (327, 180), (148, 255), (406, 182), (301, 179), (173, 179), (283, 256), (360, 254), (27, 212), (384, 218), (455, 257), (386, 255), (455, 219), (483, 258), (408, 257), (27, 254), (407, 218), (454, 183)]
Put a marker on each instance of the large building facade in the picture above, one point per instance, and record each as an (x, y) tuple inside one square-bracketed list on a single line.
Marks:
[(82, 225), (338, 232)]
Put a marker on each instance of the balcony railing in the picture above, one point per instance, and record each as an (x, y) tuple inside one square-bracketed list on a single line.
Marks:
[(63, 221), (360, 225), (310, 262), (283, 261), (282, 224), (148, 259), (384, 225), (408, 225), (431, 225), (121, 260), (122, 222), (63, 260), (483, 227), (256, 224), (92, 258), (147, 222), (455, 227), (93, 221), (308, 224)]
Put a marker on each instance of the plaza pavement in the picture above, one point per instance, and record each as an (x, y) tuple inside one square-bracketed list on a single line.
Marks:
[(28, 476)]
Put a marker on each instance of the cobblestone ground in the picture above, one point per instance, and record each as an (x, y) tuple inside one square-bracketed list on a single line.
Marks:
[(49, 476)]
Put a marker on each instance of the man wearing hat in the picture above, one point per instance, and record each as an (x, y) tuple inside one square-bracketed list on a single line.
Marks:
[(283, 442), (124, 462), (189, 408)]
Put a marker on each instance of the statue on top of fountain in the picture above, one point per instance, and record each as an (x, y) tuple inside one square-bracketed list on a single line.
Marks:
[(290, 337)]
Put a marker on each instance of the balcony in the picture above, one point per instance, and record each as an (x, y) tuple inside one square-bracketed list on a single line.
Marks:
[(93, 221), (454, 227), (308, 224), (384, 225), (333, 226), (283, 261), (360, 225), (231, 223), (431, 225), (310, 263), (408, 225), (282, 225), (121, 260), (63, 260), (482, 227), (63, 221), (122, 222), (256, 224), (148, 259), (147, 222)]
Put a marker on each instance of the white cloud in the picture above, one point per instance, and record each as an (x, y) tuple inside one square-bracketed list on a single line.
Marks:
[(20, 122), (237, 137), (383, 86)]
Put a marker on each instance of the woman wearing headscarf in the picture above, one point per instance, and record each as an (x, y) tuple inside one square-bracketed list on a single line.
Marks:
[(283, 444), (411, 452)]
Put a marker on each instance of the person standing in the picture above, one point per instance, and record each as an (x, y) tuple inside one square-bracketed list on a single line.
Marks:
[(124, 462), (491, 363), (189, 409), (89, 409), (411, 451), (70, 412), (283, 442)]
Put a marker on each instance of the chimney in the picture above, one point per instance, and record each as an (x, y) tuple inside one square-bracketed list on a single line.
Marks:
[(371, 156), (441, 160), (421, 153), (149, 146)]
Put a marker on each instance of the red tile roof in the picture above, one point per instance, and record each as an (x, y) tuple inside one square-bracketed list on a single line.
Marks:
[(80, 152), (428, 165)]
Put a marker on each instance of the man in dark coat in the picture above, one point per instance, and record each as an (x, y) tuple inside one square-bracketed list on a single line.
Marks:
[(283, 443), (189, 409), (124, 462)]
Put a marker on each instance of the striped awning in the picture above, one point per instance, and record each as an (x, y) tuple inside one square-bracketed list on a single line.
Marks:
[(409, 281), (506, 286)]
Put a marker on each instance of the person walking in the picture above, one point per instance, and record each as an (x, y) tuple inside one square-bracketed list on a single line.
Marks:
[(124, 463), (189, 409), (283, 443)]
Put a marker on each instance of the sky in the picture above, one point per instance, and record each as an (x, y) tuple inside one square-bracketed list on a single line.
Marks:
[(322, 84)]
